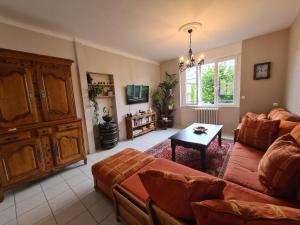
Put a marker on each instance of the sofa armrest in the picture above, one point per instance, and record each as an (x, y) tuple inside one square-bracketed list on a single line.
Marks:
[(228, 212), (236, 132)]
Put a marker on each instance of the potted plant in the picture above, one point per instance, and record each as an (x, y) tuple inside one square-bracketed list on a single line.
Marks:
[(163, 98), (93, 92), (171, 104), (106, 115), (169, 83)]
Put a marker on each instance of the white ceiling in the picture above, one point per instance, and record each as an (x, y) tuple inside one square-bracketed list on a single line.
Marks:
[(149, 28)]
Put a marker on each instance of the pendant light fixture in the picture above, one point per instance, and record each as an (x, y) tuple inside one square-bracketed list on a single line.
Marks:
[(190, 61)]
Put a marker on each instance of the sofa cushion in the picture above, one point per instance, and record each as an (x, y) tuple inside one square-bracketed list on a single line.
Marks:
[(116, 168), (233, 191), (262, 116), (234, 212), (296, 133), (258, 134), (274, 111), (134, 184), (286, 127), (279, 168), (174, 192), (253, 115), (284, 115), (242, 167)]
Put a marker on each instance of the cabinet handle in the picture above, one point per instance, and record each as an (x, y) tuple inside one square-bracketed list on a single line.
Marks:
[(43, 94), (69, 126)]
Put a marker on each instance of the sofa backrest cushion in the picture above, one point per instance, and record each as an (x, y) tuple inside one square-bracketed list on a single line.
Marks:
[(274, 111), (286, 127), (279, 168), (258, 134), (253, 115), (282, 114), (296, 133), (174, 193), (233, 212)]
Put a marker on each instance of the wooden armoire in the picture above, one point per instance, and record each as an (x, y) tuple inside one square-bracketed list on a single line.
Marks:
[(39, 131)]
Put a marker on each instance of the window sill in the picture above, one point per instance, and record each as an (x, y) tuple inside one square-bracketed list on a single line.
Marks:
[(209, 106)]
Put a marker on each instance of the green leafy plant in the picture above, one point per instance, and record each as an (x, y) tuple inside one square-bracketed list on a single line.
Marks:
[(169, 83), (94, 91), (158, 97), (207, 80), (163, 97)]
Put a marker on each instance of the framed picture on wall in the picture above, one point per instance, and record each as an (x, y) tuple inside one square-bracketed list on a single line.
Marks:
[(262, 71)]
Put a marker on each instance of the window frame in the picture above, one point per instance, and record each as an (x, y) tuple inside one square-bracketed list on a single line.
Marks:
[(216, 86)]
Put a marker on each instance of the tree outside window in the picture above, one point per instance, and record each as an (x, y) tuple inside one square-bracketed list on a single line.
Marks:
[(215, 84)]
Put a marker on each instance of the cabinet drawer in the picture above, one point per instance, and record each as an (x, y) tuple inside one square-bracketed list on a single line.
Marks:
[(44, 131), (68, 126), (15, 137)]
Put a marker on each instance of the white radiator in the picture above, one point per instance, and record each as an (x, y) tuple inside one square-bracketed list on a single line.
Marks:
[(207, 115)]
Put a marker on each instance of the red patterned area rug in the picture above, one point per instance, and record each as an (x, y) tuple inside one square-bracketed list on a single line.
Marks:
[(216, 157)]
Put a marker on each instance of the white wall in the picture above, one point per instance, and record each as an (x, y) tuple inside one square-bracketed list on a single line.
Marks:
[(184, 116), (125, 71), (292, 93), (261, 94)]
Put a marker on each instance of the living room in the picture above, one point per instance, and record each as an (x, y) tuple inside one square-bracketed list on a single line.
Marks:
[(198, 93)]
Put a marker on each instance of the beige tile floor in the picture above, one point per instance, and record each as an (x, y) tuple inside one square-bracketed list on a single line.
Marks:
[(69, 197)]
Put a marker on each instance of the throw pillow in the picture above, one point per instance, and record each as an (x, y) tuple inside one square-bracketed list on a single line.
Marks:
[(175, 192), (286, 127), (296, 133), (258, 134), (253, 115), (233, 212), (279, 168), (281, 114), (262, 117), (274, 111)]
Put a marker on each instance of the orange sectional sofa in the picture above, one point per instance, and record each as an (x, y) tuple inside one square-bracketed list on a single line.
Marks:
[(134, 206)]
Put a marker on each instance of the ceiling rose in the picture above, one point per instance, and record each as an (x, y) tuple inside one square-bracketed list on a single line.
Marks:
[(190, 26)]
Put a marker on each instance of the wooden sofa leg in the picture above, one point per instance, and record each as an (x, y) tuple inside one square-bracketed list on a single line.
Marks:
[(115, 204)]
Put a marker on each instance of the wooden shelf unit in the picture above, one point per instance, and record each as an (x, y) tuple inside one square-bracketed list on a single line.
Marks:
[(136, 123), (105, 96), (106, 81), (102, 85)]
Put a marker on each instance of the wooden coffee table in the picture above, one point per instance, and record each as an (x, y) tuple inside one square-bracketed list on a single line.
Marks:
[(187, 138)]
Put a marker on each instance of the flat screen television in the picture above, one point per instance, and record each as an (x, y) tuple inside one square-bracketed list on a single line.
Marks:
[(137, 94)]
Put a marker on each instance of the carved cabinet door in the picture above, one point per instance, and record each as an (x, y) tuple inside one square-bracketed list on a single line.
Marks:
[(21, 160), (17, 99), (68, 146), (55, 86)]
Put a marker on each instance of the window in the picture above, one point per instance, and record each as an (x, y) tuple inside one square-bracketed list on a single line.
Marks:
[(214, 84)]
